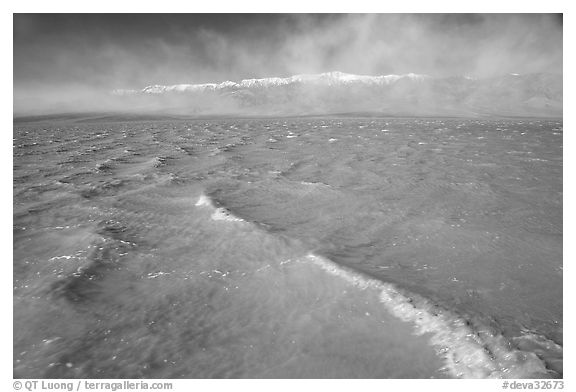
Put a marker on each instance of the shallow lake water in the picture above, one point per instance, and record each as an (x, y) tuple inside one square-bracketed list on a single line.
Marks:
[(290, 247)]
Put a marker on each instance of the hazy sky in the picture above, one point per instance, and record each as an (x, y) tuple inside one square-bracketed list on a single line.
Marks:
[(59, 57)]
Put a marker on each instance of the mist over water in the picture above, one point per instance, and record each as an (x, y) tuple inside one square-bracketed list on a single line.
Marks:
[(303, 247)]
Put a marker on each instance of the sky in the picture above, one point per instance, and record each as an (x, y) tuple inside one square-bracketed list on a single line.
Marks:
[(62, 60)]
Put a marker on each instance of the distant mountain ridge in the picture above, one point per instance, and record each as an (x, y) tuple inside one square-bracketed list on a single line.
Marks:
[(338, 92), (328, 78)]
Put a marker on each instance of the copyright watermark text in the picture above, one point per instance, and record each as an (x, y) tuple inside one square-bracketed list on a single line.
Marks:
[(534, 384), (89, 385)]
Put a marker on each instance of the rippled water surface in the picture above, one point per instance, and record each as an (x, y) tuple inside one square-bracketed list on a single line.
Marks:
[(310, 247)]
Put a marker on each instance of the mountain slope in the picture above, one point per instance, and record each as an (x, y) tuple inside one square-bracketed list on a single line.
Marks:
[(337, 92)]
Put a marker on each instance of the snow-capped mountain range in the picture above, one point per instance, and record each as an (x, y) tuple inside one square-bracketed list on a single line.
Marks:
[(329, 79), (338, 92)]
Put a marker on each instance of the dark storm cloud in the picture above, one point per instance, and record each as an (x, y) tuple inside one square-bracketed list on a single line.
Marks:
[(77, 58)]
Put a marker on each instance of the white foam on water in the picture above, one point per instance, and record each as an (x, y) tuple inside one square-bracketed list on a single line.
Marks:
[(222, 214), (219, 214), (204, 201), (61, 257), (467, 352), (314, 184), (103, 166), (158, 161)]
